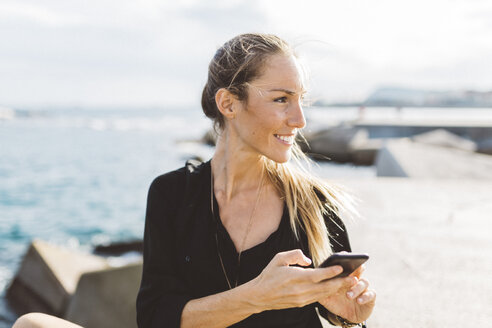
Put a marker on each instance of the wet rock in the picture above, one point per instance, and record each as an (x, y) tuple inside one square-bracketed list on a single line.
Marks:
[(119, 248)]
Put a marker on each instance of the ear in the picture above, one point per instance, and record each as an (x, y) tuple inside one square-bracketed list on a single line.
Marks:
[(225, 101)]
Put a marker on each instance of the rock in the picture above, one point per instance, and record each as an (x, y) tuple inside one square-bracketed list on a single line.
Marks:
[(48, 276), (366, 153), (119, 248), (337, 143), (485, 146), (403, 158), (210, 137), (444, 138), (106, 298)]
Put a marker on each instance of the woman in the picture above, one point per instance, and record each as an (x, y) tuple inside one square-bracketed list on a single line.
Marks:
[(233, 241)]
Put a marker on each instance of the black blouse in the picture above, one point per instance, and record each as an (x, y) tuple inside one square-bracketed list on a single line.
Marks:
[(181, 261)]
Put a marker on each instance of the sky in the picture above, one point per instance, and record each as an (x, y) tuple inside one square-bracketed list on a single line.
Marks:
[(131, 53)]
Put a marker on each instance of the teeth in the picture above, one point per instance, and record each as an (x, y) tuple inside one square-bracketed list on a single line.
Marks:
[(288, 139)]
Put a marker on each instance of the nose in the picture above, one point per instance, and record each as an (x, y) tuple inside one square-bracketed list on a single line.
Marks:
[(296, 116)]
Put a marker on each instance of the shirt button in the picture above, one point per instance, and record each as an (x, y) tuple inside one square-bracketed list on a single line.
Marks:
[(187, 258)]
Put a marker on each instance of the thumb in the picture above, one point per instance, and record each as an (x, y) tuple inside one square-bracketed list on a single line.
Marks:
[(293, 257)]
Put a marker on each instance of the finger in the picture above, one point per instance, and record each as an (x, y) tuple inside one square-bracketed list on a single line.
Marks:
[(358, 289), (333, 286), (320, 274), (349, 282), (292, 257), (358, 272), (367, 297)]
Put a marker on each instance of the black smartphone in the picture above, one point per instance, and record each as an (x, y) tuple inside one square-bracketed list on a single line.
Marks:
[(348, 261)]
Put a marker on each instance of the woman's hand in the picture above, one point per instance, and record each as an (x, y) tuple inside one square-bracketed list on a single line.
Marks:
[(353, 303), (281, 285)]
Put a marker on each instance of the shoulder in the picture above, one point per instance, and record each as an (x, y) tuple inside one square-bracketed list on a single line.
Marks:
[(173, 182), (168, 180), (167, 192)]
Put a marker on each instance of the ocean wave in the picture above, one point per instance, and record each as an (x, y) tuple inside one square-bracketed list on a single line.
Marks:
[(179, 126)]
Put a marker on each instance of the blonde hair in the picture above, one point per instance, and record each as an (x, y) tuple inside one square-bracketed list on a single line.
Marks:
[(309, 199)]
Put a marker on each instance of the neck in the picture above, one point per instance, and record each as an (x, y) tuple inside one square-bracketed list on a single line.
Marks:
[(235, 167)]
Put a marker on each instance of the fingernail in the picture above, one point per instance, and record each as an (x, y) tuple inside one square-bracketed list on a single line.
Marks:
[(360, 300), (350, 294), (307, 259)]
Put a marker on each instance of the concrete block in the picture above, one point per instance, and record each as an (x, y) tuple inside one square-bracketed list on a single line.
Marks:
[(444, 138), (21, 299), (430, 248), (403, 158), (388, 165), (106, 298), (48, 275)]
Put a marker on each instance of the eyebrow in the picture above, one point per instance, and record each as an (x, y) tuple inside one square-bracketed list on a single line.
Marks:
[(289, 92)]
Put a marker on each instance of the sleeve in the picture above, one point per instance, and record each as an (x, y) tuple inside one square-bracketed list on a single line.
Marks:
[(163, 294)]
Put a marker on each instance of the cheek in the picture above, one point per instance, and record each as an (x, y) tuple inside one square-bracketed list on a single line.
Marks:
[(260, 127), (261, 124)]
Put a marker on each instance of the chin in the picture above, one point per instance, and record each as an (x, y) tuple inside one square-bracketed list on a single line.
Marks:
[(280, 158)]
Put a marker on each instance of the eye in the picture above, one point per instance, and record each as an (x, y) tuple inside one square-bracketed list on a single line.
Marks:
[(304, 101), (280, 100)]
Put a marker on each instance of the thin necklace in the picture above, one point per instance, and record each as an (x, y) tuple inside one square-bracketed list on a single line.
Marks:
[(258, 194)]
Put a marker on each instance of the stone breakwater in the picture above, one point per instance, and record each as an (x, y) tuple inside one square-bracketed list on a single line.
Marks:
[(428, 239), (360, 141), (87, 289), (430, 248)]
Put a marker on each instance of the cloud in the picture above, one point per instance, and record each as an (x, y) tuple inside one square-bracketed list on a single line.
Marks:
[(152, 51), (39, 15)]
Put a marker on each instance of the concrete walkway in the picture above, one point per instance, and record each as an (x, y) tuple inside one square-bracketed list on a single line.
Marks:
[(430, 243)]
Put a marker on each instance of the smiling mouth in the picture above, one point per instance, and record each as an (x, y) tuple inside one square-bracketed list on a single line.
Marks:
[(286, 139)]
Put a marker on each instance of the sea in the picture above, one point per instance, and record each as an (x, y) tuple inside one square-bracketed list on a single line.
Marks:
[(79, 177)]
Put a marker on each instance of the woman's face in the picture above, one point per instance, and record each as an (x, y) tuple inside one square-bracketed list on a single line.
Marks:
[(268, 121)]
